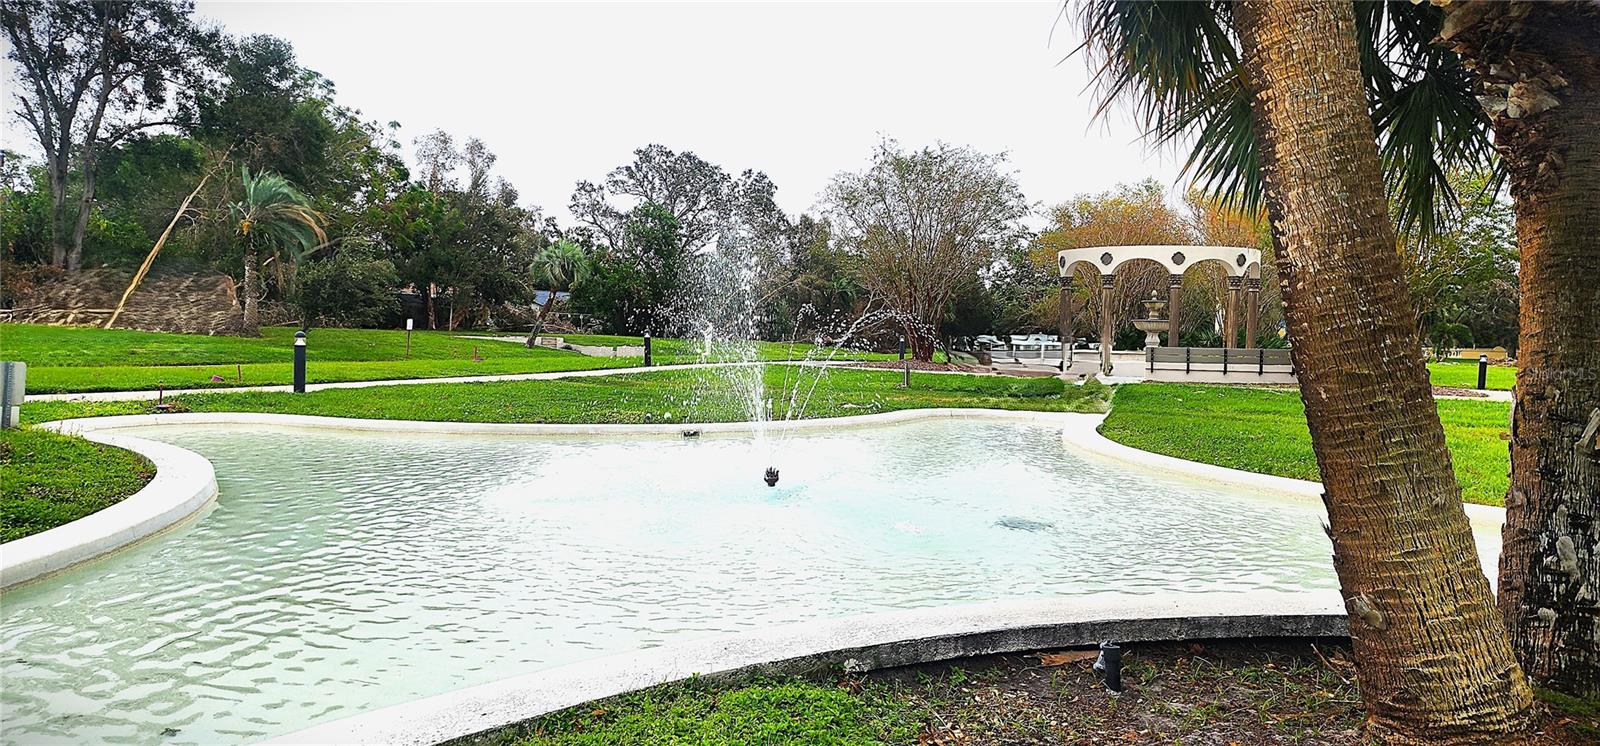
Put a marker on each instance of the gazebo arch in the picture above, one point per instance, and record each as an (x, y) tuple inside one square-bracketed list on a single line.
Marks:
[(1242, 265)]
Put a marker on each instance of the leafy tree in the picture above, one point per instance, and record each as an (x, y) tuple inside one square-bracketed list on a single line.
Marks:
[(88, 75), (273, 217), (918, 223), (352, 288), (637, 280), (702, 198), (559, 267), (1128, 215)]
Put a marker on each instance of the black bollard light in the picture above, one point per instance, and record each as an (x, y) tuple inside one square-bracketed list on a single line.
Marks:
[(1483, 371), (299, 362), (647, 349), (902, 348), (1109, 666)]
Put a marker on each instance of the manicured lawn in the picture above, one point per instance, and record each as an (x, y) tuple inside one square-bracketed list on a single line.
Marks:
[(1465, 375), (51, 479), (79, 359), (684, 395), (1264, 430)]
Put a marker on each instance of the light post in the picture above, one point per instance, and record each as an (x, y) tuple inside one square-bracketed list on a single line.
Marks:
[(647, 361), (299, 362), (1483, 371)]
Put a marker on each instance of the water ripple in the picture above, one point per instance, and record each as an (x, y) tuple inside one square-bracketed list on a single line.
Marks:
[(343, 572)]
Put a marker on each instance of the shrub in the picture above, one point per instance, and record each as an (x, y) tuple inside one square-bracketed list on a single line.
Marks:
[(350, 289)]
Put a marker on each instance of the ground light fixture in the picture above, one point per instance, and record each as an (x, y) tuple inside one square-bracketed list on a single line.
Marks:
[(1109, 666), (300, 362)]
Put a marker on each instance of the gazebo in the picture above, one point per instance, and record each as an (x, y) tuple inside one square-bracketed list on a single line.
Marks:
[(1242, 265)]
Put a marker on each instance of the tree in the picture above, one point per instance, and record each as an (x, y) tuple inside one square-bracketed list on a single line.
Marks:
[(1129, 215), (91, 74), (275, 217), (1434, 664), (920, 222), (559, 267), (352, 288), (699, 195), (1538, 76)]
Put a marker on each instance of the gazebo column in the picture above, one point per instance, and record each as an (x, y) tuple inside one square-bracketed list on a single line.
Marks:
[(1174, 286), (1252, 311), (1230, 318), (1068, 313), (1106, 282)]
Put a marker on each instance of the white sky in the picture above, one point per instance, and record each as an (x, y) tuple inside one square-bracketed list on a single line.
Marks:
[(563, 92)]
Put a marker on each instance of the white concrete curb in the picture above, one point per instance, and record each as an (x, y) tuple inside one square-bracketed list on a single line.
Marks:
[(184, 484), (859, 643)]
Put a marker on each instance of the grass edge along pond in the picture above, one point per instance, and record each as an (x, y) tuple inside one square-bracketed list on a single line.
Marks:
[(670, 395), (52, 479), (1264, 431)]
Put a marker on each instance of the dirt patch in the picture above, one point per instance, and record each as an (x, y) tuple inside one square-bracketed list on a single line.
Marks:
[(1221, 693), (168, 300)]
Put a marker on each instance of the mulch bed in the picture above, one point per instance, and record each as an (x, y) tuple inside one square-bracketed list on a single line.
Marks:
[(1222, 693)]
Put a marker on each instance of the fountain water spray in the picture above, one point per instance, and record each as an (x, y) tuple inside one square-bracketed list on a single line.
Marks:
[(725, 292)]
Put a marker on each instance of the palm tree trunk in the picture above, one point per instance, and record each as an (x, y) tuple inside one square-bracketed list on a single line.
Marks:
[(252, 278), (1432, 656), (538, 320), (1550, 564)]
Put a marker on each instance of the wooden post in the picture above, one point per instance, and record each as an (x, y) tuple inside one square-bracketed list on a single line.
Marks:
[(1252, 311), (1174, 287), (1106, 282)]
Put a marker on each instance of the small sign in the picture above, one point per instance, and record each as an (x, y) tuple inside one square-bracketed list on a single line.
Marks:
[(409, 322)]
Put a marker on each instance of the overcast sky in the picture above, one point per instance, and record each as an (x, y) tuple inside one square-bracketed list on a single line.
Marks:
[(563, 92)]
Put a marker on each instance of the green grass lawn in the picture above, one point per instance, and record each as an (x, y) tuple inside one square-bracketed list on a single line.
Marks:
[(1464, 375), (80, 359), (683, 395), (1264, 430), (51, 479)]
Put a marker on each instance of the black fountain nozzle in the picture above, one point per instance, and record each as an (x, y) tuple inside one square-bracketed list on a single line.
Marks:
[(771, 477), (1109, 666)]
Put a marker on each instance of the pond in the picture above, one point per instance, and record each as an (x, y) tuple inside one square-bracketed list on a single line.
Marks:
[(340, 571)]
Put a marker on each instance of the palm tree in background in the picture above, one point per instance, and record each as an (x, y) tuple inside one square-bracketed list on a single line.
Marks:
[(559, 267), (275, 218), (1283, 98)]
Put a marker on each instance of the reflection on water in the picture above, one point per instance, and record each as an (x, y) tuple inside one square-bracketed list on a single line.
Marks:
[(341, 572)]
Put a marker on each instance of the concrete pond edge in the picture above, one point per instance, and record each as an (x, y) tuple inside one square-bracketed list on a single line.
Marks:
[(856, 644), (185, 484)]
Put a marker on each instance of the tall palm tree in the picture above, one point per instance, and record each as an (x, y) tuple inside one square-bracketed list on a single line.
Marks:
[(1525, 72), (1538, 70), (1293, 81), (276, 218), (559, 267)]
